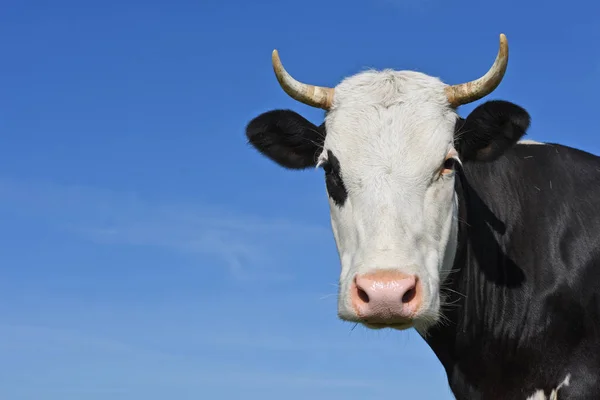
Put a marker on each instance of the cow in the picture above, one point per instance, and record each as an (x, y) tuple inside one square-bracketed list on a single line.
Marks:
[(484, 243)]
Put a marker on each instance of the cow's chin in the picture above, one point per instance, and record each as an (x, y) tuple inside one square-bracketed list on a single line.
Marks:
[(400, 326), (380, 324), (421, 325)]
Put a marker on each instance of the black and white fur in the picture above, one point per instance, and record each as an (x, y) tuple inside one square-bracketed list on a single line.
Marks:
[(504, 235)]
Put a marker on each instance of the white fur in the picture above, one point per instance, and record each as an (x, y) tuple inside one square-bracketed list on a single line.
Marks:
[(391, 132), (529, 141), (540, 395)]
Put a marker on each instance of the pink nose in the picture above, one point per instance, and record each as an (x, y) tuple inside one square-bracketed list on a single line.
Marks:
[(386, 296)]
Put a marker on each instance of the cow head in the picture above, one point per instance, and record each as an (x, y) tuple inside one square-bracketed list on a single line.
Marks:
[(389, 148)]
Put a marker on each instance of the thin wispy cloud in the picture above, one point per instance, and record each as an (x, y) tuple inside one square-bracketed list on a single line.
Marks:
[(116, 364), (250, 247), (242, 324)]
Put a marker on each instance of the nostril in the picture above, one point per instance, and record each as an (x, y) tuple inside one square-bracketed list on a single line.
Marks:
[(362, 295), (409, 295)]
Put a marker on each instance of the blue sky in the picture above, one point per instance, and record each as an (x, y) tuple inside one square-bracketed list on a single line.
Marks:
[(149, 253)]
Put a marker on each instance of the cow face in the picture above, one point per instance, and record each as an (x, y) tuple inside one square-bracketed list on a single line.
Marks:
[(389, 150), (389, 162)]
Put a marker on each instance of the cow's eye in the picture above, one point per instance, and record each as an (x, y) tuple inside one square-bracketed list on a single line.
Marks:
[(449, 166)]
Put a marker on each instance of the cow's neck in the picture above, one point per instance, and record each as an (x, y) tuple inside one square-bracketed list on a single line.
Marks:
[(468, 338), (487, 321), (442, 338)]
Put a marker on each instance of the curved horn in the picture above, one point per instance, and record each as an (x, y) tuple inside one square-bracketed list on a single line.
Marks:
[(315, 96), (468, 92)]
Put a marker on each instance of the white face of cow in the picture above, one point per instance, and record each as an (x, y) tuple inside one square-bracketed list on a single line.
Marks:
[(389, 150), (388, 157)]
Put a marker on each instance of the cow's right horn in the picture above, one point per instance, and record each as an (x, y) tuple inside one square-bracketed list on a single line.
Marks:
[(315, 96), (468, 92)]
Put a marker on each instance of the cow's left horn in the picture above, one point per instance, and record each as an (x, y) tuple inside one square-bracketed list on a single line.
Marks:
[(471, 91), (315, 96)]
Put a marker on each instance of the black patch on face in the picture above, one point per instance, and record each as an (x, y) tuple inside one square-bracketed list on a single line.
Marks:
[(333, 180)]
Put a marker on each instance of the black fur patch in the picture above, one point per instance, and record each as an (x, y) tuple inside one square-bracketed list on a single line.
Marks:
[(333, 180), (490, 129)]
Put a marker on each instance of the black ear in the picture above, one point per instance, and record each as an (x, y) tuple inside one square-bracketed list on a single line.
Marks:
[(490, 129), (287, 138)]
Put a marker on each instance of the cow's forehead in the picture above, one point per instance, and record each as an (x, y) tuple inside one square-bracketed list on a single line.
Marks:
[(380, 118), (389, 87)]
